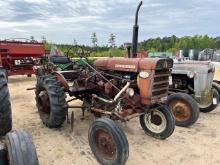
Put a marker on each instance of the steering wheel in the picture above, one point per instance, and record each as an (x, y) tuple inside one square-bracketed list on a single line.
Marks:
[(79, 51)]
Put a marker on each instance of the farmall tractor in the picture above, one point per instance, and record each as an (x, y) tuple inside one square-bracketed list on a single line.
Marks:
[(113, 89), (16, 147)]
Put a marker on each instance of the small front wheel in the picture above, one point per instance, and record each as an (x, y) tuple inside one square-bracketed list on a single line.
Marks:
[(108, 142), (184, 108), (20, 148), (158, 122)]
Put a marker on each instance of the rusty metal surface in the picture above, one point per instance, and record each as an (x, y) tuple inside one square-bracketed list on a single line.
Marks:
[(127, 64), (62, 80), (149, 90), (105, 144), (181, 110)]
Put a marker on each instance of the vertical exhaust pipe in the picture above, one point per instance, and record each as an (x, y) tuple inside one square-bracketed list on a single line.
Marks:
[(135, 33)]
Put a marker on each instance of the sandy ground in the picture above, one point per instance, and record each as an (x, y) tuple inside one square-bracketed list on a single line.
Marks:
[(197, 145)]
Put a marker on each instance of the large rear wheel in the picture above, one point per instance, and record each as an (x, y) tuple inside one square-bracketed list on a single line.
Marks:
[(184, 108), (108, 142), (5, 105), (158, 122), (50, 99)]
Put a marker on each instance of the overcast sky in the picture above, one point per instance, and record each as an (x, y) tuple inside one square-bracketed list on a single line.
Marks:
[(61, 21)]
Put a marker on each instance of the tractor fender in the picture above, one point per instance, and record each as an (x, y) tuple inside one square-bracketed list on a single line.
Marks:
[(62, 80)]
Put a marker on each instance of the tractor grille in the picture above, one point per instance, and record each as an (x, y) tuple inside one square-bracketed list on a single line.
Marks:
[(161, 83), (164, 64)]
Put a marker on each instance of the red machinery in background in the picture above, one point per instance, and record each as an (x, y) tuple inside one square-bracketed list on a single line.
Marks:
[(19, 57)]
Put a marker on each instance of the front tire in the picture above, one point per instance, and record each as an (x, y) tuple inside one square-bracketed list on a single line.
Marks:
[(50, 99), (5, 106), (184, 108), (108, 142), (158, 123), (212, 106), (20, 148)]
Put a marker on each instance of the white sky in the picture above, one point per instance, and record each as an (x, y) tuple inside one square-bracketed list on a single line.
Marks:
[(61, 21)]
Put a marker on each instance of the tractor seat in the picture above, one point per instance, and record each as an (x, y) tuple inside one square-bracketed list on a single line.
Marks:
[(60, 59)]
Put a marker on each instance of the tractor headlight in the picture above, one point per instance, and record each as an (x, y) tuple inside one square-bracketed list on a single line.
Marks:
[(190, 74), (144, 74), (130, 92)]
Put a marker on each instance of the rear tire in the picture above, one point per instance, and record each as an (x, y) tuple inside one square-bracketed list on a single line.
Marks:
[(108, 142), (184, 108), (158, 123), (5, 106), (50, 99), (6, 73), (212, 106), (20, 148)]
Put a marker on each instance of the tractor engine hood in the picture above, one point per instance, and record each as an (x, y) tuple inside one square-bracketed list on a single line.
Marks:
[(202, 67), (132, 64)]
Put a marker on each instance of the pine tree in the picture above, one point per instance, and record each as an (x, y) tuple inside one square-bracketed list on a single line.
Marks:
[(112, 40), (94, 39)]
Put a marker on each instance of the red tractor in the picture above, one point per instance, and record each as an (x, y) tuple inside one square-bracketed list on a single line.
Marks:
[(19, 57), (113, 89)]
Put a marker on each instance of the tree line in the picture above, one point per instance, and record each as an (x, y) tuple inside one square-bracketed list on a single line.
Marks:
[(173, 43), (165, 44)]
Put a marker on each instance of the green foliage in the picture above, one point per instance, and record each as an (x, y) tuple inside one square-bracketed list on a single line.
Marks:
[(172, 50), (114, 52), (152, 50), (173, 43), (166, 44)]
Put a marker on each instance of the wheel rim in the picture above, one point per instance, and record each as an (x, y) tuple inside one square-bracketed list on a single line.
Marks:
[(181, 110), (105, 144), (44, 103), (155, 121)]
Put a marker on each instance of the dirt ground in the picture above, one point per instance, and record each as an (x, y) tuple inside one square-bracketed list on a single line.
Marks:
[(197, 145)]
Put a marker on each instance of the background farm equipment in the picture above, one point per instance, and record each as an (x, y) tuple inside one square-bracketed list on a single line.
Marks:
[(192, 89), (195, 79), (116, 88), (17, 147), (60, 61), (19, 57)]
